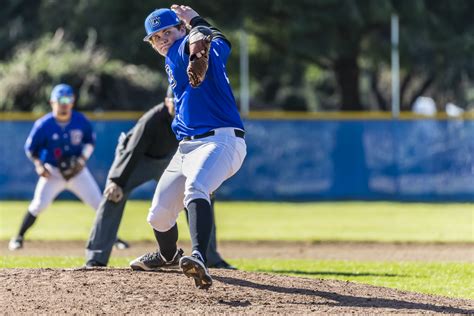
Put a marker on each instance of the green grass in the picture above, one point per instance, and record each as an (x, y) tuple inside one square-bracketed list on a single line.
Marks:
[(344, 221), (446, 279)]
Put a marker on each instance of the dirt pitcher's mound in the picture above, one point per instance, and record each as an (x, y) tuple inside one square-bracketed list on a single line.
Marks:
[(122, 291)]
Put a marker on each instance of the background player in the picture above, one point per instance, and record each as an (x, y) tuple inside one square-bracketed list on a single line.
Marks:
[(141, 155), (59, 146), (208, 125)]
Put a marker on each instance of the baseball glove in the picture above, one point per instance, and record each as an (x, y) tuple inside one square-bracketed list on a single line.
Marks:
[(70, 166), (199, 46)]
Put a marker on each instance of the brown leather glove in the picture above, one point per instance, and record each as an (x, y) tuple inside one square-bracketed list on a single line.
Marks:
[(71, 166), (199, 46)]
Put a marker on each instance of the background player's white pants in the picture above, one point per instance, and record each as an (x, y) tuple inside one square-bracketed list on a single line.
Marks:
[(197, 169), (83, 185)]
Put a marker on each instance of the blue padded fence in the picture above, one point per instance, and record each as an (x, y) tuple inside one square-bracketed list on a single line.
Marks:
[(303, 160)]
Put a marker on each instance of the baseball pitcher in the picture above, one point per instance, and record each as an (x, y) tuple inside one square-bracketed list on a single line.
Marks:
[(141, 156), (207, 124)]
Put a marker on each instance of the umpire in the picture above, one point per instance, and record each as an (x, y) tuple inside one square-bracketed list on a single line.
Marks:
[(141, 155)]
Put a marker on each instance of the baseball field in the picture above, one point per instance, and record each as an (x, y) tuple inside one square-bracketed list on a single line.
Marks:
[(293, 258)]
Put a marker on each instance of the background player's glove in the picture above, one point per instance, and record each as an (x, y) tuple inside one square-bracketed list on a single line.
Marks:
[(70, 166), (113, 192), (199, 45)]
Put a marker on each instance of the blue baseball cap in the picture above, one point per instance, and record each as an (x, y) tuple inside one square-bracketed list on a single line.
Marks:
[(158, 20), (62, 91)]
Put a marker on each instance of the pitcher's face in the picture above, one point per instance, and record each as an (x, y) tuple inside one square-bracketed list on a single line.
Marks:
[(162, 40)]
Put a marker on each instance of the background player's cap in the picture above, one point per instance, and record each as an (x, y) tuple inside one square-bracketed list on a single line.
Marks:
[(60, 91), (158, 20)]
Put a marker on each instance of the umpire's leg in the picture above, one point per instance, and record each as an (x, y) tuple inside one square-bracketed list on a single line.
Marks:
[(213, 257), (105, 228), (109, 214)]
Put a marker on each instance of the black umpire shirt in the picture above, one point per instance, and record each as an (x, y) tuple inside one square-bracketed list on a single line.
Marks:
[(151, 137)]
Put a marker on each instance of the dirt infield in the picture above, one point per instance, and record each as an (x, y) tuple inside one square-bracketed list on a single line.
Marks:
[(364, 251), (122, 291)]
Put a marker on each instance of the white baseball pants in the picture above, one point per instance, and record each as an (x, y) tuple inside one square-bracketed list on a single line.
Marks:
[(83, 185), (197, 169)]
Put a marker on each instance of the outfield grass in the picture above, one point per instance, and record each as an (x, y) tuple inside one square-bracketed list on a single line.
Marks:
[(446, 279), (344, 221)]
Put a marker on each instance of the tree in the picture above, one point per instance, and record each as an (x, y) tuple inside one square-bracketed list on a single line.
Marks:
[(436, 48), (305, 54), (326, 33)]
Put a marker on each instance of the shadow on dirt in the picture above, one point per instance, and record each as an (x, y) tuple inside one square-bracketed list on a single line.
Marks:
[(332, 273), (347, 300)]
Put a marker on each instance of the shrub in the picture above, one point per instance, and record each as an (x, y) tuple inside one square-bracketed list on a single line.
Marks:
[(100, 83)]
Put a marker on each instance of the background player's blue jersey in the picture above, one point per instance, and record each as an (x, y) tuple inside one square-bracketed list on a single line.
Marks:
[(50, 140), (209, 106)]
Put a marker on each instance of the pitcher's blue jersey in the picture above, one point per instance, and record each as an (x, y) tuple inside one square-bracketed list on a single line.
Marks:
[(209, 106), (50, 140)]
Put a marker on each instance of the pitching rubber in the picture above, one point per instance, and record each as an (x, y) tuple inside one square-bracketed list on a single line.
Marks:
[(193, 268)]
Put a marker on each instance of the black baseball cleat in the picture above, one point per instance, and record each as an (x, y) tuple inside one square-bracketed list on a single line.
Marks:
[(15, 243), (194, 267), (121, 244), (222, 265), (154, 261), (90, 264)]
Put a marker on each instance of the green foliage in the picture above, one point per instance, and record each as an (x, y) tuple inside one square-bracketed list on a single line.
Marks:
[(436, 43), (101, 83), (349, 41), (354, 221), (323, 33)]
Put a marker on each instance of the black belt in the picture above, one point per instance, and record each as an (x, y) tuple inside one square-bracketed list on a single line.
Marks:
[(237, 132)]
